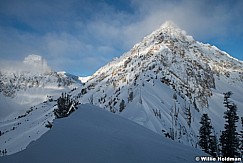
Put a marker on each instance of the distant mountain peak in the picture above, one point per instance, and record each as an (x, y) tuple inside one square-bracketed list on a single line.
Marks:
[(37, 61), (34, 59)]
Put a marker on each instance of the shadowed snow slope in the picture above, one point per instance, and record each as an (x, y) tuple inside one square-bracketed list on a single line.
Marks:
[(94, 135)]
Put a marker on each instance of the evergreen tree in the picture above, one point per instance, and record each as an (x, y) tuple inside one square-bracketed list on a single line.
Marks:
[(65, 106), (213, 145), (122, 105), (130, 97), (229, 139), (241, 138), (205, 131)]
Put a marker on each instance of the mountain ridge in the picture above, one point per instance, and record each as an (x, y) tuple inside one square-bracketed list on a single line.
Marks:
[(29, 83)]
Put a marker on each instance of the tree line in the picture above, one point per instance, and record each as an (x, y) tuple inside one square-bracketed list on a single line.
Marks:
[(230, 143)]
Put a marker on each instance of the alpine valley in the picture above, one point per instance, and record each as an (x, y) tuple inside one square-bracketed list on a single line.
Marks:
[(164, 83)]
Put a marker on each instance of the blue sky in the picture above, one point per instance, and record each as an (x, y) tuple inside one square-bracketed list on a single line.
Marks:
[(80, 36)]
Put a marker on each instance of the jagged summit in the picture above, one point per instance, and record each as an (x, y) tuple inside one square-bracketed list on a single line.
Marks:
[(170, 30), (32, 64), (34, 59), (38, 62)]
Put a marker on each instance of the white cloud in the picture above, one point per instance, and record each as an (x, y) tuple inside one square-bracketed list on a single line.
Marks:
[(205, 19)]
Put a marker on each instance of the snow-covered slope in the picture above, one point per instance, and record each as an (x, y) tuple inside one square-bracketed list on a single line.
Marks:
[(166, 82), (17, 133), (94, 135)]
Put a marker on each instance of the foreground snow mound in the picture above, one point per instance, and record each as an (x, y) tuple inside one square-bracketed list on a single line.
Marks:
[(94, 135)]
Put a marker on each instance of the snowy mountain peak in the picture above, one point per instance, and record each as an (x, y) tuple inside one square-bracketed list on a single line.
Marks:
[(37, 61), (33, 58), (168, 35), (170, 30)]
